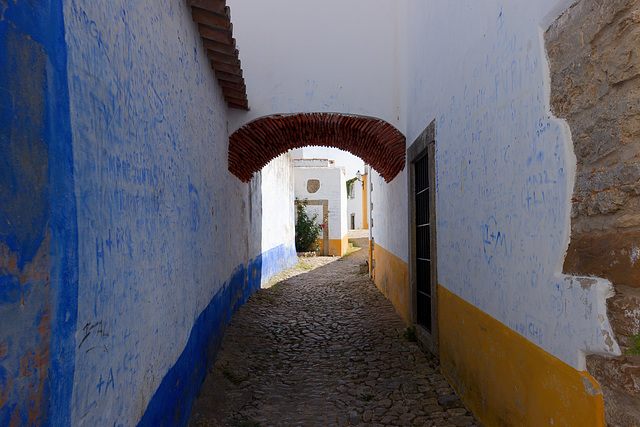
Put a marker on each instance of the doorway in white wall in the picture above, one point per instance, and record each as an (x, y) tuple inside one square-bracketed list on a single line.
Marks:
[(422, 242), (421, 195)]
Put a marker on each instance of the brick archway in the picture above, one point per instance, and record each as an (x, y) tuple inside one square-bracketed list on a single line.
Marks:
[(373, 140)]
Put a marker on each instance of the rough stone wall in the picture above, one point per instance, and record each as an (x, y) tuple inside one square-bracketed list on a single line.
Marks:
[(595, 85)]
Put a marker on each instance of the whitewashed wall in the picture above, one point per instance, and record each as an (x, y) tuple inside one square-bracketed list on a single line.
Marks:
[(356, 67), (167, 237), (505, 171), (278, 249), (278, 221), (390, 213)]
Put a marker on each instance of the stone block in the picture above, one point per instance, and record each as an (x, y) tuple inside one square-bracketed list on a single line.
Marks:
[(616, 373), (621, 409), (623, 311), (614, 255), (605, 202), (627, 173), (618, 48)]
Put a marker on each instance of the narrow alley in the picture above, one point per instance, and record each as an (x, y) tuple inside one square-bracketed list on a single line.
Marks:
[(324, 347), (153, 156)]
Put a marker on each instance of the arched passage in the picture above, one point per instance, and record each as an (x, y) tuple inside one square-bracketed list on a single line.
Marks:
[(373, 140)]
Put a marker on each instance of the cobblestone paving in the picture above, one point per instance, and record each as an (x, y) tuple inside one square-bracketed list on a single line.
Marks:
[(324, 348)]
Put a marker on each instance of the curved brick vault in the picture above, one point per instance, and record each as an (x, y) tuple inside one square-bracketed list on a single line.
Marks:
[(373, 140)]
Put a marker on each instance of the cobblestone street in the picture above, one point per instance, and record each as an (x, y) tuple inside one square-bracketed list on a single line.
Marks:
[(324, 347)]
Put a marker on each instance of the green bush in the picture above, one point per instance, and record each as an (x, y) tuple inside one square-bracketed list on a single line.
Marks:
[(307, 229)]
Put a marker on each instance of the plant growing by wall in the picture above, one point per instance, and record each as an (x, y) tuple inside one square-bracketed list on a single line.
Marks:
[(350, 187), (635, 348), (307, 229)]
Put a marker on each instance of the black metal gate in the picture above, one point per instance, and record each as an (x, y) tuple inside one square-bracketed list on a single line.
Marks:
[(423, 242)]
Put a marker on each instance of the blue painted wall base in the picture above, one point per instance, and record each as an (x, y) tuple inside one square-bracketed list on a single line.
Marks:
[(277, 259), (172, 402)]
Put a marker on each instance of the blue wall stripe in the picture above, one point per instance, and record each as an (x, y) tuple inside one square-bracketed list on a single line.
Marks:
[(171, 404)]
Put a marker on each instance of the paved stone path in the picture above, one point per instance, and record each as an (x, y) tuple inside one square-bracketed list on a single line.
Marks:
[(324, 348)]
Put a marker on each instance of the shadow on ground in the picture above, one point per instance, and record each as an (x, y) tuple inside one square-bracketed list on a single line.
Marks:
[(324, 347)]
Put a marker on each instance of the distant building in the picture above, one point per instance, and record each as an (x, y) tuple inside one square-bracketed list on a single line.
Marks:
[(357, 218), (324, 186)]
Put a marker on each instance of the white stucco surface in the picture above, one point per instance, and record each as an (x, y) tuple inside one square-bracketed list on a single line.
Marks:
[(278, 218), (390, 213)]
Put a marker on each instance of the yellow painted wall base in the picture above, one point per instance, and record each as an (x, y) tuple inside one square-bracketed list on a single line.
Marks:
[(338, 247), (391, 276), (504, 378), (370, 259)]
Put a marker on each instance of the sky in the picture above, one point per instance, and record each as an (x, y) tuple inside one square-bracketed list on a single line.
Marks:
[(342, 158)]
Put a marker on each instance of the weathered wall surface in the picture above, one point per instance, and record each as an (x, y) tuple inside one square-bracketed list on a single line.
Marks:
[(168, 242), (24, 232), (505, 170), (125, 244), (37, 227), (517, 382), (278, 217), (595, 84)]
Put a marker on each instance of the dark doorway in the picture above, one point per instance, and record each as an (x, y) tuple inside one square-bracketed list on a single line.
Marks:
[(423, 243), (423, 274), (353, 221)]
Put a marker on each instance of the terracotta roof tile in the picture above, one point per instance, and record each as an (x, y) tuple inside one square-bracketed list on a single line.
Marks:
[(214, 24)]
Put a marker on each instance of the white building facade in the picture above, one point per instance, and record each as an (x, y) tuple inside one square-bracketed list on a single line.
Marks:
[(323, 186), (357, 218)]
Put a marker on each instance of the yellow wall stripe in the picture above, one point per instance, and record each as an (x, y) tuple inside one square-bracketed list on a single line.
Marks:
[(338, 247), (391, 276), (507, 380)]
